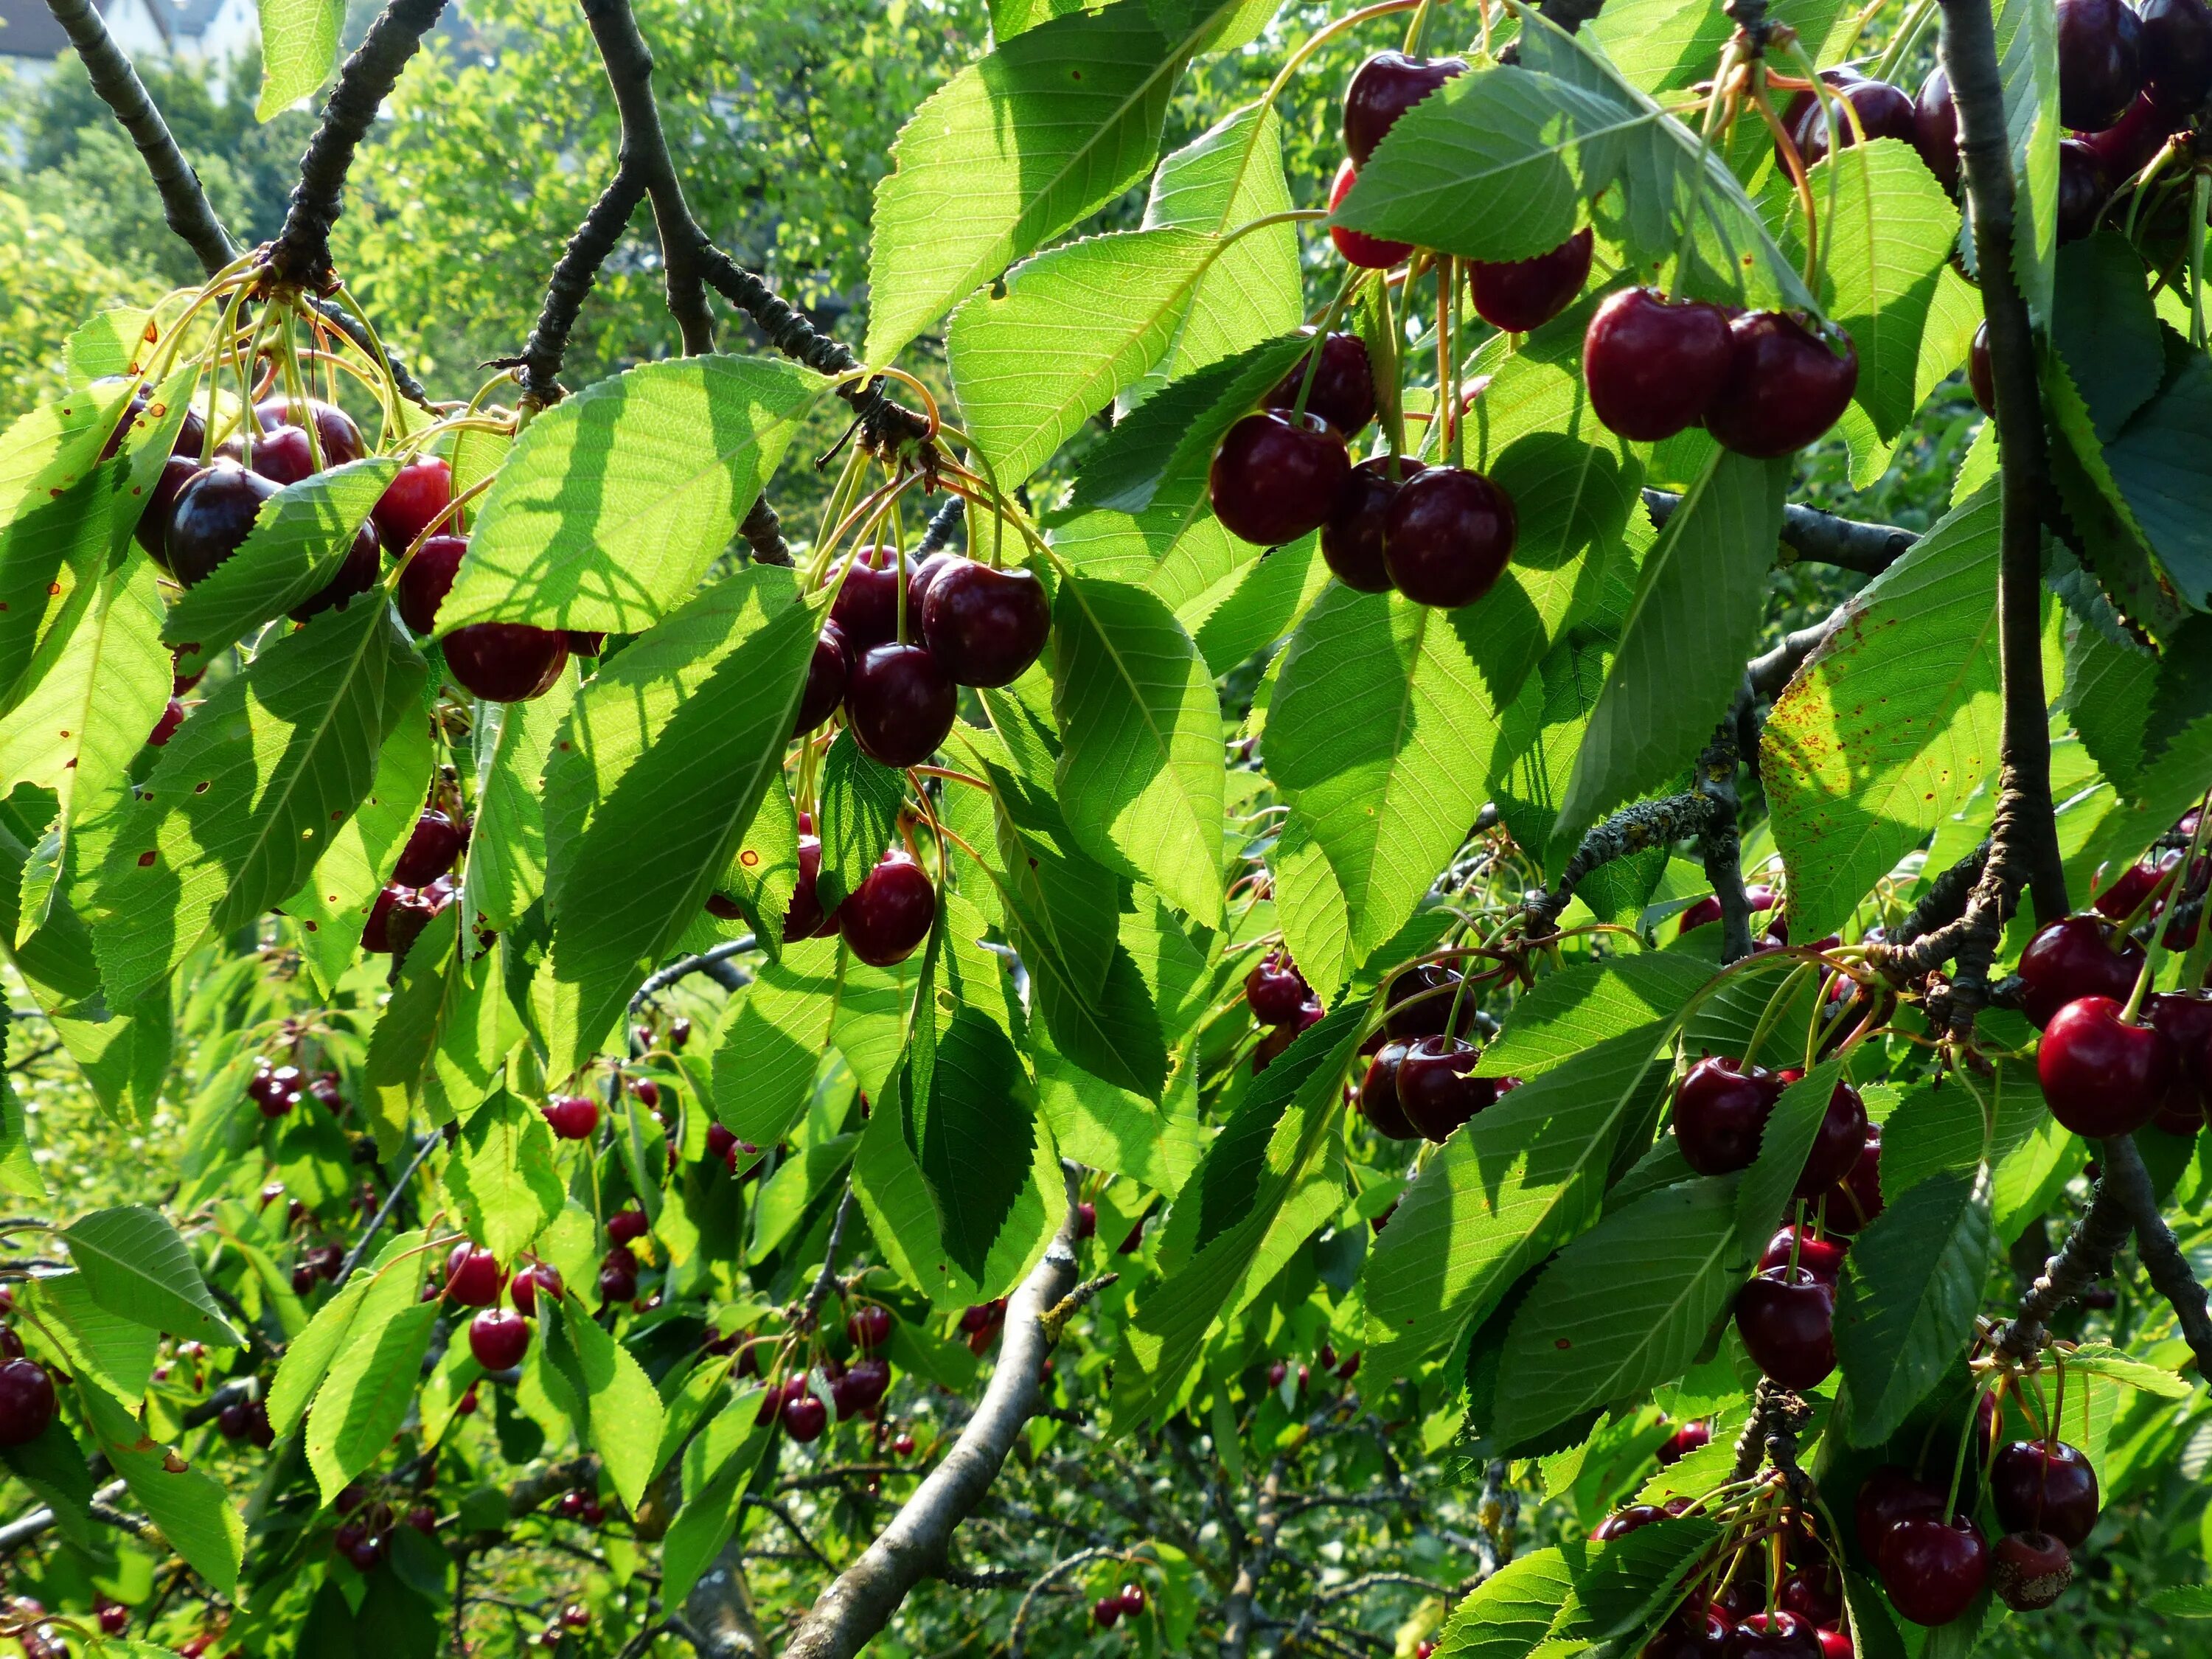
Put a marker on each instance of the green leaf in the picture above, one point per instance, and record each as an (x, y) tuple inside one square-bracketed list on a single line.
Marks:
[(1699, 600), (1125, 469), (622, 1407), (506, 871), (136, 1266), (1669, 46), (113, 1350), (2103, 1359), (190, 1507), (1764, 1194), (1141, 775), (1892, 723), (2162, 463), (250, 790), (333, 904), (298, 48), (1075, 327), (613, 502), (763, 875), (1014, 150), (362, 1307), (2104, 327), (2181, 1601), (1508, 1615), (2166, 788), (365, 1395), (44, 454), (300, 536), (817, 996), (52, 1466), (1381, 738), (669, 745), (1908, 1301), (717, 1465), (2027, 63), (50, 556), (857, 817), (504, 1176), (433, 986), (1589, 1003), (1624, 1307)]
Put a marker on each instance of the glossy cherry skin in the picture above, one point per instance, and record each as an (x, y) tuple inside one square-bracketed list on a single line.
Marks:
[(628, 1226), (357, 573), (173, 716), (2083, 190), (153, 531), (1823, 1258), (1420, 1000), (427, 578), (1781, 1634), (2072, 958), (1519, 294), (1273, 479), (919, 574), (1933, 1568), (434, 847), (890, 912), (1652, 367), (1884, 111), (1935, 129), (1356, 247), (619, 1275), (803, 918), (2053, 1490), (1106, 1612), (573, 1117), (1343, 391), (1622, 1522), (2101, 1076), (528, 1281), (1275, 990), (27, 1401), (2177, 54), (869, 1327), (2099, 62), (1814, 1593), (498, 1338), (1707, 910), (334, 428), (1690, 1437), (472, 1276), (282, 454), (805, 1417), (1785, 386), (423, 489), (1379, 1095), (1693, 1631), (1891, 1494), (506, 662), (1448, 536), (827, 670), (1383, 88), (214, 514), (2125, 147), (1721, 1111), (1838, 1142), (2029, 1571), (984, 627), (900, 704), (1437, 1090), (2185, 1016), (1981, 375), (1351, 541), (1788, 1326), (866, 606)]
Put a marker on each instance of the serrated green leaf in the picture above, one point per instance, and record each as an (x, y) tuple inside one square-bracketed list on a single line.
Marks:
[(1667, 46), (1589, 1003), (44, 453), (2162, 463), (52, 1466), (2027, 63), (2103, 1359), (333, 904), (503, 1175), (190, 1508), (716, 1466), (623, 1410), (1125, 470), (506, 870), (299, 49), (819, 996), (2104, 327), (1508, 1615), (857, 814), (2166, 788), (365, 1397), (2181, 1601), (613, 502), (113, 1350), (136, 1266), (1763, 1194)]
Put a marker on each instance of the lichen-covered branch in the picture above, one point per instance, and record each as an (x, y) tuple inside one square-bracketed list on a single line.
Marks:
[(1632, 830), (1817, 536), (2160, 1252), (2086, 1257), (1720, 845), (573, 277)]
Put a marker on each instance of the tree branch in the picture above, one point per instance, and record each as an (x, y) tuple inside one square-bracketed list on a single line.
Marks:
[(1818, 537), (1240, 1612), (573, 277), (2160, 1252), (1632, 830), (1720, 844), (2086, 1257)]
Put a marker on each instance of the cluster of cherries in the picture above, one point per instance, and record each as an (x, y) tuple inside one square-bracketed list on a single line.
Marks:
[(980, 1323), (965, 623), (422, 884), (1344, 1370), (882, 920), (857, 1387), (1280, 999), (1126, 1602), (1419, 1082), (1735, 1608), (275, 1089), (498, 1337), (364, 1536)]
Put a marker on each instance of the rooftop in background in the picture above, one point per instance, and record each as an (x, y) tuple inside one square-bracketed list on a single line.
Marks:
[(211, 32)]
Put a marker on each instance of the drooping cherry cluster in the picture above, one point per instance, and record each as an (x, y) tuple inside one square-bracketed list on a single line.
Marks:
[(422, 883)]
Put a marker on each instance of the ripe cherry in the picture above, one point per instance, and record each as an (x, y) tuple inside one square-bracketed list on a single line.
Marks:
[(1448, 536), (426, 579), (1837, 1144), (900, 704), (1622, 1522), (1274, 478), (473, 1276), (869, 1327), (1788, 1326), (2125, 147), (1379, 1095), (1383, 88), (826, 673), (984, 627), (1344, 385), (2099, 62), (1519, 294), (1695, 1631), (902, 1445), (1785, 386), (1356, 247), (573, 1117), (1933, 1568), (2101, 1076), (2073, 957), (153, 531), (282, 454), (1856, 1199), (1351, 541), (1935, 129), (2083, 190), (866, 607), (498, 1338), (1275, 990), (1813, 1593), (1721, 1110), (627, 1226), (1437, 1089), (334, 428), (805, 1417), (1133, 1600), (506, 662), (1777, 1635), (357, 573), (1106, 1612), (1823, 1258), (1653, 366), (617, 1276), (1981, 372), (114, 1619), (2050, 1489), (803, 917), (1707, 910), (2185, 1016), (920, 573), (423, 489), (529, 1281), (27, 1401), (1884, 111), (434, 847), (890, 912), (213, 515), (2030, 1570), (2176, 55), (1420, 1000)]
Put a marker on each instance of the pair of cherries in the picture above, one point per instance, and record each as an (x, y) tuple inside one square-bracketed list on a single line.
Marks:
[(1419, 1082), (883, 920), (2103, 1073), (421, 885)]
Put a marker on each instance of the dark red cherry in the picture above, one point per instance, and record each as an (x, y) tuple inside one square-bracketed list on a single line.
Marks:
[(1383, 88), (173, 716), (434, 847), (585, 641), (890, 912), (1884, 111), (1379, 1095), (523, 1290), (1448, 536), (506, 662), (1935, 129), (1695, 1631), (2185, 1016), (900, 704), (427, 578), (1419, 1000), (866, 606), (1356, 247), (1622, 1522), (2176, 55), (803, 917), (1273, 479), (334, 428), (1654, 368), (2101, 1076), (376, 932), (1887, 1496), (617, 1276), (1933, 1568), (1823, 1258), (2048, 1489), (1981, 376), (827, 670), (573, 1117), (1836, 1145), (1813, 1593), (1436, 1089), (984, 627), (805, 1417), (1352, 540), (626, 1226), (1781, 1634), (1275, 990), (2126, 893), (1344, 386), (1856, 1199), (214, 514), (282, 454), (1707, 910), (1788, 1326), (1721, 1110), (1785, 387), (1106, 1612), (153, 531), (473, 1277), (869, 1327), (2073, 957), (2082, 189), (27, 1401), (423, 489), (2125, 147), (1690, 1437), (355, 575), (1519, 294), (498, 1338), (919, 575), (2029, 1571), (2100, 67)]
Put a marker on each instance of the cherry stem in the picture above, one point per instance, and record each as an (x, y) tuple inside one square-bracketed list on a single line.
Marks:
[(1335, 309)]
